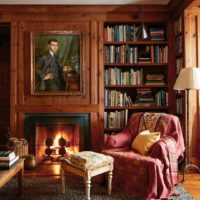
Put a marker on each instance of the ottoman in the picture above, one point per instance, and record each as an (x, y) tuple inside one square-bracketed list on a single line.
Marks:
[(87, 164)]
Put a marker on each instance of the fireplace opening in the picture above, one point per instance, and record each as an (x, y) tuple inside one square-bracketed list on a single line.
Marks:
[(52, 136), (55, 141)]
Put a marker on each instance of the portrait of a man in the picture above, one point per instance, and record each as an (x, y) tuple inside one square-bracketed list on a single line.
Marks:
[(56, 67)]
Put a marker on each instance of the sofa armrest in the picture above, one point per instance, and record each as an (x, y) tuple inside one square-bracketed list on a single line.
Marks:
[(122, 139)]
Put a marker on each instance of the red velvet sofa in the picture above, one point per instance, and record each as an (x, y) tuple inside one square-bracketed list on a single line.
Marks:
[(152, 176)]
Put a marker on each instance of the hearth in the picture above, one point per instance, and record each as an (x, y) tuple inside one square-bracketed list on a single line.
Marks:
[(52, 136)]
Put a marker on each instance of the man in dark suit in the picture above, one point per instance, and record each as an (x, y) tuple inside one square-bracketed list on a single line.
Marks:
[(49, 75)]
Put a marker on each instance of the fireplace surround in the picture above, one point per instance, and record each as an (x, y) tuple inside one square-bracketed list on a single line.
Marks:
[(69, 122)]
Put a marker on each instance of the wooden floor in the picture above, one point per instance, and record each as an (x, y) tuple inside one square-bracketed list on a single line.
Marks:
[(191, 184)]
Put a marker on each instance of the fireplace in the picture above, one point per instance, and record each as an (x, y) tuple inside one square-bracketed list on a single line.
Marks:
[(44, 129)]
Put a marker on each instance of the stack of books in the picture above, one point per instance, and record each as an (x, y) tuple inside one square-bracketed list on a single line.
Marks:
[(155, 79), (144, 97), (157, 33), (8, 159)]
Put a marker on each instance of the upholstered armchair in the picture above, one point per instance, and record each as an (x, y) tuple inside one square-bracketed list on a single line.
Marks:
[(153, 175)]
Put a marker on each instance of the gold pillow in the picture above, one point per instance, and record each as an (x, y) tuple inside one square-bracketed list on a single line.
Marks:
[(144, 141)]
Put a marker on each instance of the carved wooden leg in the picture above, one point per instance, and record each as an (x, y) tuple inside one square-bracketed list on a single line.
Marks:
[(20, 179), (110, 175), (63, 180), (87, 185)]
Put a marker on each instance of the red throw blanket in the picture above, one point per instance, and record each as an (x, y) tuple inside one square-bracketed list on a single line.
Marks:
[(163, 173)]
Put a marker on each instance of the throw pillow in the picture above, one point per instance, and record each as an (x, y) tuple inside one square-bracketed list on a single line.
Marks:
[(144, 141)]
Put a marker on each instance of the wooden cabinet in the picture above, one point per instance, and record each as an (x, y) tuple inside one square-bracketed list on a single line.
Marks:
[(135, 72)]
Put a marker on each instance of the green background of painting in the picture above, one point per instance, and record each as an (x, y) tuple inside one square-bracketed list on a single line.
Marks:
[(68, 45)]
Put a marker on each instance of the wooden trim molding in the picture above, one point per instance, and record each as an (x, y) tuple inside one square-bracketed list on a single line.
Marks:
[(74, 9), (176, 7)]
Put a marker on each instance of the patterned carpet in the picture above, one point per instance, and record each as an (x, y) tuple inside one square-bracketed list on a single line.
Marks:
[(50, 189)]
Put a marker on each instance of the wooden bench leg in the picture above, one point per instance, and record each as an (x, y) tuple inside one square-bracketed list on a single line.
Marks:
[(87, 186), (20, 179), (110, 175), (63, 180)]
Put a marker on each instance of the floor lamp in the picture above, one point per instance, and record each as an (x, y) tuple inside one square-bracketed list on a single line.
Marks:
[(188, 79)]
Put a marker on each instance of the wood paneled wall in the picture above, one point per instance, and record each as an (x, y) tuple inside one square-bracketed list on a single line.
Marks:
[(89, 20), (192, 59)]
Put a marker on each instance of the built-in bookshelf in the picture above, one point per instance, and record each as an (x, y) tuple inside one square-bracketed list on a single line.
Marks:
[(135, 73), (179, 53)]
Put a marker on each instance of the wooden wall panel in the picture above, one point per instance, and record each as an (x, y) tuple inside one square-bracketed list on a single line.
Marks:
[(192, 43), (13, 77), (24, 84)]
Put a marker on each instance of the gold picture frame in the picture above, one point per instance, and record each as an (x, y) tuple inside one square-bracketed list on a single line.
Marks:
[(57, 63)]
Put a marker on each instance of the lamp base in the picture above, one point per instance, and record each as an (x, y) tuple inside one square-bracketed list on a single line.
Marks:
[(185, 167)]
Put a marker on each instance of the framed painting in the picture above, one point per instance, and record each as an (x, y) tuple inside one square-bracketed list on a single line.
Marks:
[(56, 63)]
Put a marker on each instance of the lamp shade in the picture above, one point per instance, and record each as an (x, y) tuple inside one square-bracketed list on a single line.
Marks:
[(189, 78)]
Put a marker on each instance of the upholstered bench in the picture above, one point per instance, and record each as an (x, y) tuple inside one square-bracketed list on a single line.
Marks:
[(87, 164)]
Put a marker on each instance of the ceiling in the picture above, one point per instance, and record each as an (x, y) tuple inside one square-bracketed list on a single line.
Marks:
[(83, 2)]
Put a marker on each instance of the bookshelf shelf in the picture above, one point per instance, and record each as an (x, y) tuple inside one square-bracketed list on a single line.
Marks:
[(135, 73), (137, 108), (145, 42), (136, 86), (136, 65)]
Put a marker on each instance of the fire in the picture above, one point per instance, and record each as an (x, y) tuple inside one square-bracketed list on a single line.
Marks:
[(58, 136)]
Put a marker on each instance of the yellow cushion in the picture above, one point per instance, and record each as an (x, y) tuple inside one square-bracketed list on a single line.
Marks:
[(144, 141)]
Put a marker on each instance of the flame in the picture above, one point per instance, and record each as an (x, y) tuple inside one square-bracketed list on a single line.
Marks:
[(58, 136), (76, 149)]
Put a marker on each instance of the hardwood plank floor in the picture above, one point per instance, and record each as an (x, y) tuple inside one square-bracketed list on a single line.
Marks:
[(191, 184)]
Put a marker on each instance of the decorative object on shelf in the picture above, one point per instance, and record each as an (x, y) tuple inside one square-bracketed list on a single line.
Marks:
[(142, 31), (30, 162), (19, 146), (192, 82)]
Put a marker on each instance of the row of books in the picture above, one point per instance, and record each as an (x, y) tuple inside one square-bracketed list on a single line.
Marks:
[(161, 98), (127, 54), (117, 76), (8, 159), (121, 54), (160, 54), (120, 33), (157, 33), (117, 98), (128, 32), (145, 97), (117, 119)]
